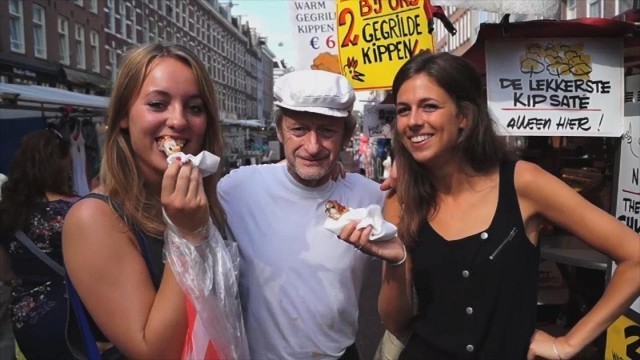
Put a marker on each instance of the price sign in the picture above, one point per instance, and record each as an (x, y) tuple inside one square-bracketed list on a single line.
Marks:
[(314, 24), (376, 37), (623, 338), (316, 42)]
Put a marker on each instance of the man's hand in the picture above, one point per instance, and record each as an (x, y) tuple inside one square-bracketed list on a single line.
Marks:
[(390, 182), (338, 172)]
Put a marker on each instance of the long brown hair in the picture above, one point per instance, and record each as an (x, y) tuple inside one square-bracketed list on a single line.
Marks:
[(42, 164), (478, 144), (120, 176)]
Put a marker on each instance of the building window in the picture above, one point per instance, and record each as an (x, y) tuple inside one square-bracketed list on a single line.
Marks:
[(79, 2), (179, 17), (80, 51), (595, 8), (185, 17), (127, 19), (95, 51), (132, 23), (16, 26), (114, 65), (39, 38), (623, 5), (93, 6), (123, 15), (145, 29), (112, 16), (153, 31), (571, 9), (168, 9), (63, 39)]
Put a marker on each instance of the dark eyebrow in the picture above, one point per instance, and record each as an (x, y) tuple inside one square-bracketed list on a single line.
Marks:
[(421, 101)]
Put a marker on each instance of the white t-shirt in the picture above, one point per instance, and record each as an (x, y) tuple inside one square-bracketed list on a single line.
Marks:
[(299, 283)]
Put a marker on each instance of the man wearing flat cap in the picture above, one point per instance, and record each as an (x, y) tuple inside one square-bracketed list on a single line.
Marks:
[(299, 286)]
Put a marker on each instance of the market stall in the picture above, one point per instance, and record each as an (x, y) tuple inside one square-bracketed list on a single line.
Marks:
[(555, 88), (249, 142), (78, 117)]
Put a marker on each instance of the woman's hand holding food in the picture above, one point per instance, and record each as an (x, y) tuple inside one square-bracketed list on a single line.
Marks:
[(183, 197), (392, 250)]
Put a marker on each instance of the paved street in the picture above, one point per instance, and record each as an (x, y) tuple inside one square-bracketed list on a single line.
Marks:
[(370, 327)]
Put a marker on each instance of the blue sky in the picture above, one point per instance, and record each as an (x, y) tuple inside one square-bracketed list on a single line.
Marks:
[(271, 19)]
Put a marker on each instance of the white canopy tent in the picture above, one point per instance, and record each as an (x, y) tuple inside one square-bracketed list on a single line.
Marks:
[(27, 101), (48, 95)]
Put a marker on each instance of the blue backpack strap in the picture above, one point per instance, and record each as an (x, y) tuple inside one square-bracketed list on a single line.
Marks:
[(90, 346)]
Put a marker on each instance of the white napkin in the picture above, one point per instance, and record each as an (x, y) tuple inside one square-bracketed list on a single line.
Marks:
[(371, 215), (205, 161)]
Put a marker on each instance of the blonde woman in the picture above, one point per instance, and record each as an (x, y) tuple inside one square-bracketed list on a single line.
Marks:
[(113, 239)]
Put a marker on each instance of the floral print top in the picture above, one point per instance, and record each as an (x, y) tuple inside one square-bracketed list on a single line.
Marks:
[(39, 286)]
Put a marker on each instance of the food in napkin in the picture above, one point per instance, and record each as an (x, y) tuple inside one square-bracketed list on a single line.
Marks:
[(334, 209), (169, 145), (205, 161), (371, 215)]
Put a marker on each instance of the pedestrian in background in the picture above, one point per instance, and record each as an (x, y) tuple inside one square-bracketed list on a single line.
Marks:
[(470, 217), (299, 286), (113, 239), (35, 200)]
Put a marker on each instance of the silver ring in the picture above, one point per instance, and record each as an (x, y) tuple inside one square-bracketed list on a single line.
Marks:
[(358, 248)]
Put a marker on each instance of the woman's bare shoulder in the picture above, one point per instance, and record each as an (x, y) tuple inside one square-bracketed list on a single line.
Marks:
[(528, 174), (94, 217)]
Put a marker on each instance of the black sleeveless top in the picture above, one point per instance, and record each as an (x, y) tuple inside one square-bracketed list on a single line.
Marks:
[(477, 295), (151, 249)]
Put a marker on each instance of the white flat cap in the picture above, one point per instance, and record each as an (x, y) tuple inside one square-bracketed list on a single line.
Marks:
[(315, 91)]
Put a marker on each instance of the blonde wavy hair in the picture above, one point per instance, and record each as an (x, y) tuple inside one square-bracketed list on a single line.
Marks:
[(120, 176)]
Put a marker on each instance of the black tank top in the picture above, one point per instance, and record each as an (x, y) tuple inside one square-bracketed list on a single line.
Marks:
[(477, 295), (151, 248)]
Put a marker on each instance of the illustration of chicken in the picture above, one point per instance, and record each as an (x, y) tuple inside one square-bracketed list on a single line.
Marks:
[(349, 70)]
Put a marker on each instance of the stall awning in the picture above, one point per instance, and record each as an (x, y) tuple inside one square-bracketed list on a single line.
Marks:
[(87, 79), (47, 95), (20, 66), (585, 27)]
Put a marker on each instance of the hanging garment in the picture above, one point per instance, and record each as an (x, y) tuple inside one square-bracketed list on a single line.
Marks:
[(386, 167), (80, 183)]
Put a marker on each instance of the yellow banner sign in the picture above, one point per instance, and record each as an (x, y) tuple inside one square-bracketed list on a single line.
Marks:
[(623, 338), (376, 37)]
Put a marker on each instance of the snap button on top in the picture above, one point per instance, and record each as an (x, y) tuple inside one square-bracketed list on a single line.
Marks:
[(484, 236), (465, 273), (469, 310), (470, 348)]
